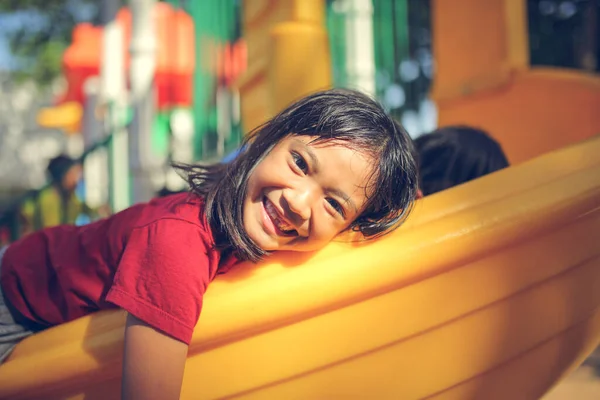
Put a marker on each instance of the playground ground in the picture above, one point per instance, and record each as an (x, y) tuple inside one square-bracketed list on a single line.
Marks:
[(583, 384)]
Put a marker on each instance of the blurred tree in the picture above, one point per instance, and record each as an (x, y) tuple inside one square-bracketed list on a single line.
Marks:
[(43, 32)]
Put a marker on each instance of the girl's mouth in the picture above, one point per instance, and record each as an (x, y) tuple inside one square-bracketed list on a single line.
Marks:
[(275, 220)]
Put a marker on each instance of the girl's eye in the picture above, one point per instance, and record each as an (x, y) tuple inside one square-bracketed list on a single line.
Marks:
[(336, 206), (300, 162)]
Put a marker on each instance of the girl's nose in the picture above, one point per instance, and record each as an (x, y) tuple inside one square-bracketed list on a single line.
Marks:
[(299, 201)]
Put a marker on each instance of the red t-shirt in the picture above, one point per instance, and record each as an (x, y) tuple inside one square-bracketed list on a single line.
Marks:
[(154, 260)]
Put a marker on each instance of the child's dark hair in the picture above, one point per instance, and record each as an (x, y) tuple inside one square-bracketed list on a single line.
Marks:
[(453, 155), (335, 115), (58, 167)]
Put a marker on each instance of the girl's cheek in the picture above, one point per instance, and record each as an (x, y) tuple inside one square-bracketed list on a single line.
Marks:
[(327, 229)]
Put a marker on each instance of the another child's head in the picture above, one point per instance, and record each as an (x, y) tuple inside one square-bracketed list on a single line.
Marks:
[(453, 155), (64, 172), (332, 162)]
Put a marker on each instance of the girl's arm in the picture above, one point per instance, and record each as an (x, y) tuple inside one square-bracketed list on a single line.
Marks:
[(153, 363)]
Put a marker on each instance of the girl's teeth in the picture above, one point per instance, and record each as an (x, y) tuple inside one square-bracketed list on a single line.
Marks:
[(283, 226)]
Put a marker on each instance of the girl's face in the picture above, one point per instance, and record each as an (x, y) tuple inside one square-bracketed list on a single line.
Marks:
[(302, 195)]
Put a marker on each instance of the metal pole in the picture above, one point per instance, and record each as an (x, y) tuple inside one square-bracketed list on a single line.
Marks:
[(96, 168), (113, 98), (144, 166), (360, 53)]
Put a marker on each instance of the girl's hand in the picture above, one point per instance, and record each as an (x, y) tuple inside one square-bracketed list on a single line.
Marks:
[(153, 363)]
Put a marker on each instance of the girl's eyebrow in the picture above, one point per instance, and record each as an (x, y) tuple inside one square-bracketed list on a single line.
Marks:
[(315, 164)]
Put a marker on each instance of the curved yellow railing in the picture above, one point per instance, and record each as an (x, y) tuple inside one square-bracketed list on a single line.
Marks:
[(489, 291)]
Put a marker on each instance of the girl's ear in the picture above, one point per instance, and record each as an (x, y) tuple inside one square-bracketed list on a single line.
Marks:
[(419, 194)]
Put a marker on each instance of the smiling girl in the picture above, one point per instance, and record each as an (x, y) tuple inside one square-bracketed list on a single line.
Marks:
[(331, 163)]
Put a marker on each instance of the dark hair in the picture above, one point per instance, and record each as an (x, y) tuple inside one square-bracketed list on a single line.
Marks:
[(333, 115), (165, 191), (453, 155), (58, 167)]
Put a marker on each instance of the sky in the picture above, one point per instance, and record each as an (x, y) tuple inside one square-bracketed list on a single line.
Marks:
[(12, 21), (8, 22)]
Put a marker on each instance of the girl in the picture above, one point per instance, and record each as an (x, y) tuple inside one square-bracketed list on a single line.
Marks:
[(332, 162)]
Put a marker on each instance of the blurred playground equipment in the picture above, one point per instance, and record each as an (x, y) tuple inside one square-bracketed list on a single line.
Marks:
[(488, 291), (484, 78), (288, 56), (190, 111)]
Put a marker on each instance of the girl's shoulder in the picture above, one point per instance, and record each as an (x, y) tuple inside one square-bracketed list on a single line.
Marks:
[(171, 225), (181, 211), (184, 207)]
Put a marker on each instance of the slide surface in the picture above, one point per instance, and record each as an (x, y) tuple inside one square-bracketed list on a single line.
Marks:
[(489, 291)]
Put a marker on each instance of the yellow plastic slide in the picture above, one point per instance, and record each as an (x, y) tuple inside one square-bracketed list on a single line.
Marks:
[(490, 291)]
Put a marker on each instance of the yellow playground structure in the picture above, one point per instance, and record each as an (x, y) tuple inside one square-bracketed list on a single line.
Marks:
[(489, 291)]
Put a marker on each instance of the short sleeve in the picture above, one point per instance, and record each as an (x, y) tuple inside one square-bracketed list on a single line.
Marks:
[(162, 276)]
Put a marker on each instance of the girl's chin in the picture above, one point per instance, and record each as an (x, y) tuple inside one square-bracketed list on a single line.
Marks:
[(265, 242)]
